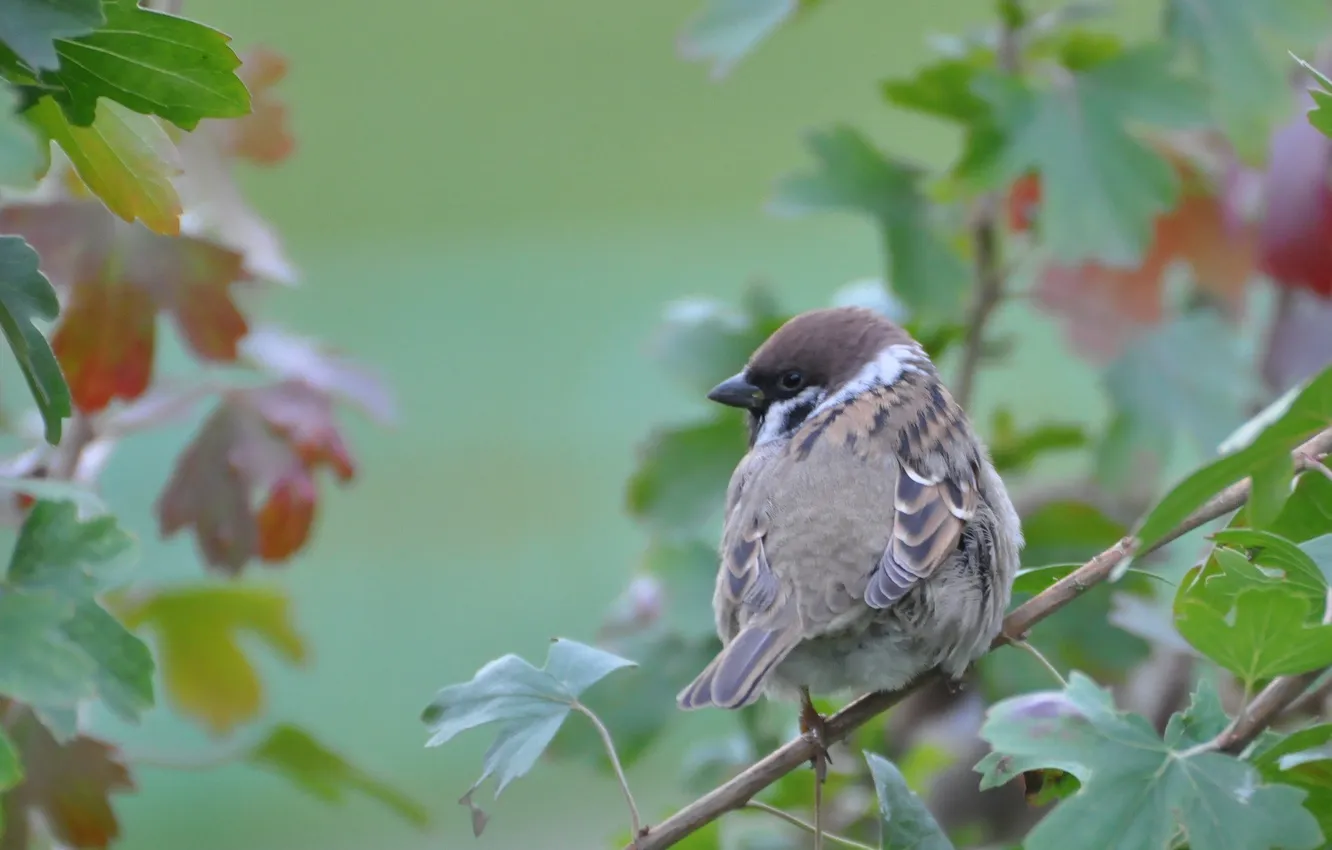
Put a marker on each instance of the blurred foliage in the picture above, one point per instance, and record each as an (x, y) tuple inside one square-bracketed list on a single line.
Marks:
[(1151, 197), (120, 130)]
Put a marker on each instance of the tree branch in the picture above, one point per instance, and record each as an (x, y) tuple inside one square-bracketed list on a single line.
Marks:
[(989, 271), (741, 788)]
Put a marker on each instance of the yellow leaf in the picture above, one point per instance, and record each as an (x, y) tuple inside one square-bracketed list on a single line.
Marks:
[(125, 158), (206, 673)]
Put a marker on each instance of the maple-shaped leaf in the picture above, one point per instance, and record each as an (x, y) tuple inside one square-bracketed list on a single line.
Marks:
[(1104, 306), (198, 630), (124, 158), (1102, 186), (245, 484), (67, 784), (215, 206), (117, 277), (291, 357)]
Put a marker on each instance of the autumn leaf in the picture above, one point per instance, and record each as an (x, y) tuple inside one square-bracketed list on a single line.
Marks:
[(206, 672), (124, 158), (69, 784), (289, 356), (1104, 306), (245, 484), (117, 278), (214, 203)]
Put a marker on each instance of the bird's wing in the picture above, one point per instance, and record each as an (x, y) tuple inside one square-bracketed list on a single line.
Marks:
[(934, 498)]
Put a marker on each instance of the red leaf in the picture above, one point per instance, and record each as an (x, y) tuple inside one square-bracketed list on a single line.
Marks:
[(286, 518), (1024, 197), (116, 278), (245, 483), (1104, 306), (1296, 234), (68, 784)]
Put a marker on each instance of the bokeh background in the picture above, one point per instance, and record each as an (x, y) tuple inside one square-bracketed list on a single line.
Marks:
[(491, 202)]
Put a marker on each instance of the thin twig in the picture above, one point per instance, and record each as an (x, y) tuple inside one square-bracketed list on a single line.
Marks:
[(619, 769), (810, 828), (989, 271), (741, 788)]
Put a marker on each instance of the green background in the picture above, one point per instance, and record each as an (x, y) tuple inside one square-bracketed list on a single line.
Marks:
[(491, 201)]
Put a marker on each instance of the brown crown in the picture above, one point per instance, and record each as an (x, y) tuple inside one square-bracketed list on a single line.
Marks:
[(829, 346)]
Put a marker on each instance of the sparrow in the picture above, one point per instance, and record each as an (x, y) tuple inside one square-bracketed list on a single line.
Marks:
[(867, 536)]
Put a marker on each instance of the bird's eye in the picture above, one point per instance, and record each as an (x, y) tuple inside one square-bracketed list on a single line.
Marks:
[(792, 380)]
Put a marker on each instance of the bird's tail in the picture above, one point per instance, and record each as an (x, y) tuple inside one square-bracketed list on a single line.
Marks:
[(732, 679)]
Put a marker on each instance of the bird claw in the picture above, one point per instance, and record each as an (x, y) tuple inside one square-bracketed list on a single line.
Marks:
[(955, 684), (814, 728)]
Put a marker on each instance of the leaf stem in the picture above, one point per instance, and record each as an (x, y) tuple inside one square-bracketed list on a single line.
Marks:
[(807, 827), (615, 764), (1045, 662), (738, 791)]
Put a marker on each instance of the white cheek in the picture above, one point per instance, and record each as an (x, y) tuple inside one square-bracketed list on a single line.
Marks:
[(777, 418), (883, 371)]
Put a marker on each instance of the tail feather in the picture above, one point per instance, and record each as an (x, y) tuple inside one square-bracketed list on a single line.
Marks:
[(732, 679)]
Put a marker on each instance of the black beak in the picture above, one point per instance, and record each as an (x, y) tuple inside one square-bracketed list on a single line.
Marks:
[(735, 391)]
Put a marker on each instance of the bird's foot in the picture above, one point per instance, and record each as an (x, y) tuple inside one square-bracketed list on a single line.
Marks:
[(814, 728), (955, 684)]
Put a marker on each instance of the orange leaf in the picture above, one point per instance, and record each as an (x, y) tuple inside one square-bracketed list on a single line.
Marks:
[(286, 518), (262, 136), (260, 445), (1024, 196), (1104, 306), (117, 278)]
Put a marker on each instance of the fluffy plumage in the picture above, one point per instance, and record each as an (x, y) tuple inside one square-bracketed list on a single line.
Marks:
[(867, 536)]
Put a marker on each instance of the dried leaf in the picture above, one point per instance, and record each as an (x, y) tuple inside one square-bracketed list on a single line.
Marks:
[(288, 356), (69, 784), (117, 278), (245, 483), (207, 675)]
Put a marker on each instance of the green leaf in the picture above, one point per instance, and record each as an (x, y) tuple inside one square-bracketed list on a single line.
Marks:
[(25, 295), (1229, 38), (1308, 414), (637, 705), (1067, 531), (57, 490), (1308, 511), (1102, 188), (683, 472), (125, 159), (124, 675), (1034, 580), (854, 176), (1321, 114), (59, 552), (72, 560), (726, 30), (945, 90), (907, 823), (1267, 636), (38, 663), (153, 63), (1202, 721), (31, 27), (1303, 759), (23, 156), (1012, 450), (1187, 375), (530, 703), (292, 753), (1138, 791), (11, 767), (1270, 550)]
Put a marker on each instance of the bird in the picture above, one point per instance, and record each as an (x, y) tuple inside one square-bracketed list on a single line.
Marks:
[(867, 537)]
